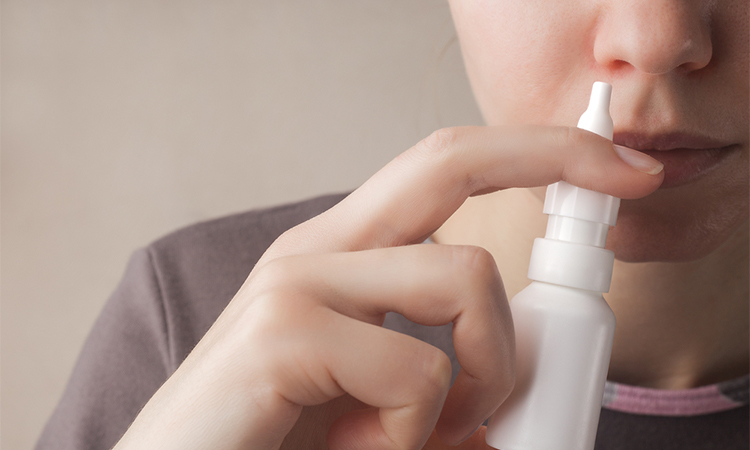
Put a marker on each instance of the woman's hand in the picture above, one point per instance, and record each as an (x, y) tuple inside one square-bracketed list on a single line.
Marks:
[(302, 337)]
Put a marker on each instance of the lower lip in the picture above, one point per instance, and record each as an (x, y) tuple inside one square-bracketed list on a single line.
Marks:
[(684, 165)]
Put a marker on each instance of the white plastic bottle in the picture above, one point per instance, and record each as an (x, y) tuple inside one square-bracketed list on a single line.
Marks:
[(564, 327)]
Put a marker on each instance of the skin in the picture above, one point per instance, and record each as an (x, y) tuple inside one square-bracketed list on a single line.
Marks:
[(297, 359)]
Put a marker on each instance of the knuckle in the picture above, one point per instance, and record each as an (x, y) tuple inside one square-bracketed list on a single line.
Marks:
[(275, 273), (436, 373), (274, 297), (478, 264), (481, 283), (269, 315), (285, 243), (440, 142)]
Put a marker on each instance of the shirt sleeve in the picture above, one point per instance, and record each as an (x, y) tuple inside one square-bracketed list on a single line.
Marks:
[(124, 360)]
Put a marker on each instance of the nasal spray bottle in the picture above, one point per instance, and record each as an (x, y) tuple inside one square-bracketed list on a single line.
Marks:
[(564, 327)]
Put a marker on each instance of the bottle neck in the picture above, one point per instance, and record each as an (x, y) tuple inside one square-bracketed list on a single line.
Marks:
[(571, 264), (577, 231)]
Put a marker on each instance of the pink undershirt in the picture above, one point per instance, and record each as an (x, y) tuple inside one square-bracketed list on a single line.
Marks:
[(680, 402)]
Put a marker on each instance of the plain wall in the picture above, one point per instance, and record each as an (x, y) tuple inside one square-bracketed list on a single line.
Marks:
[(124, 120)]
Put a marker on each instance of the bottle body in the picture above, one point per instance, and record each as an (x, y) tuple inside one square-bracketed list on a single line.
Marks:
[(564, 328), (563, 344)]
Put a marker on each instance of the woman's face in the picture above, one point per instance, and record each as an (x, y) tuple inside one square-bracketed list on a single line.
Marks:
[(679, 71)]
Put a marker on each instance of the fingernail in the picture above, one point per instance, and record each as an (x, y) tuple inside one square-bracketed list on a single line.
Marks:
[(470, 434), (639, 160)]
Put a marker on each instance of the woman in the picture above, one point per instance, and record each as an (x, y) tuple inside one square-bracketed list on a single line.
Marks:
[(297, 358)]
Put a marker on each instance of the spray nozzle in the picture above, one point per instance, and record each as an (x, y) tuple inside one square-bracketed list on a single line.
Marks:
[(596, 118), (572, 253)]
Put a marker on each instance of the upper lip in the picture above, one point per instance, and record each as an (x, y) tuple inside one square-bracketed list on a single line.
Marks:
[(667, 141)]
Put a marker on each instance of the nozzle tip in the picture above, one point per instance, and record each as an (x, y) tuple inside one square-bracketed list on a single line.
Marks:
[(601, 93), (596, 118)]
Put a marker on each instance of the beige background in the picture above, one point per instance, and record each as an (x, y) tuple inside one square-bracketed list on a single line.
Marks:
[(123, 120)]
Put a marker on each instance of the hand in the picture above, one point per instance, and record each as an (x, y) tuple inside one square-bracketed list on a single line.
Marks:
[(304, 331)]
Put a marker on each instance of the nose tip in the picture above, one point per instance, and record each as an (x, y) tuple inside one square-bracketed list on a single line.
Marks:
[(655, 37)]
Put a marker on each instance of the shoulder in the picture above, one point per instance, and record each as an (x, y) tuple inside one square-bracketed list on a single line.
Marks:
[(199, 268), (236, 238)]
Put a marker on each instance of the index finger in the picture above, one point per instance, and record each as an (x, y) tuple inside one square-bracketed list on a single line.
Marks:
[(407, 200)]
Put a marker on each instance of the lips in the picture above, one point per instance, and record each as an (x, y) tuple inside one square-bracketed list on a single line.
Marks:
[(686, 157)]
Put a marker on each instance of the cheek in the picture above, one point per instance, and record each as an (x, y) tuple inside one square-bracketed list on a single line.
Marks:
[(523, 58)]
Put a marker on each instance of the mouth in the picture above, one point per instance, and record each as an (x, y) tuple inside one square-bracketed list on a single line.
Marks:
[(686, 157)]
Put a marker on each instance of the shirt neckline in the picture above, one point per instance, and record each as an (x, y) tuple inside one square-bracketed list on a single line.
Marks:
[(700, 400)]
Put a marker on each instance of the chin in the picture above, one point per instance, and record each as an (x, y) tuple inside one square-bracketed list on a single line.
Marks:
[(644, 236)]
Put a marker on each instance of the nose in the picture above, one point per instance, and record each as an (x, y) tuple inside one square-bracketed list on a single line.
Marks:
[(654, 36)]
